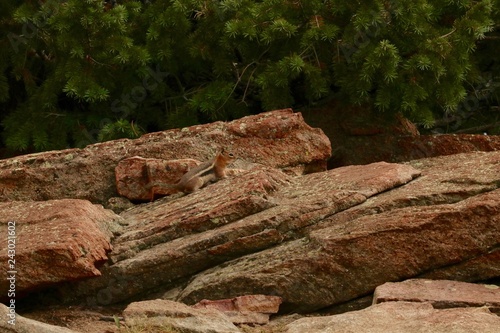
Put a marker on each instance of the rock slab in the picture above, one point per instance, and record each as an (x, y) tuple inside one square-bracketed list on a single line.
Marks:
[(398, 317), (440, 293), (248, 309), (135, 175), (53, 241), (177, 316), (25, 325), (170, 240), (277, 139), (346, 261)]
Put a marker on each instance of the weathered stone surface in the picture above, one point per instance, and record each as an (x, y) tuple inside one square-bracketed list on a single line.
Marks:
[(247, 303), (249, 309), (258, 303), (282, 138), (444, 179), (55, 241), (134, 174), (348, 260), (398, 317), (170, 240), (440, 293), (315, 240), (178, 316), (26, 325)]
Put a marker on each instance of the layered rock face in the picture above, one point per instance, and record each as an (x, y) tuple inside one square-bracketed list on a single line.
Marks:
[(279, 225), (53, 241), (278, 139)]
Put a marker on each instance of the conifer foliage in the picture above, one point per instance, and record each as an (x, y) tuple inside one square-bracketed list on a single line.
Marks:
[(76, 71)]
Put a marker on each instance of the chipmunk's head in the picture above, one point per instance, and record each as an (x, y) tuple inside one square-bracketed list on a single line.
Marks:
[(226, 156)]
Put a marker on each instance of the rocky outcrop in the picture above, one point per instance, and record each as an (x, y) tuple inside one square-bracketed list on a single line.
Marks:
[(168, 241), (314, 240), (248, 309), (442, 294), (350, 259), (14, 323), (416, 305), (277, 139), (397, 317), (53, 241), (411, 229), (267, 232), (164, 314), (218, 316)]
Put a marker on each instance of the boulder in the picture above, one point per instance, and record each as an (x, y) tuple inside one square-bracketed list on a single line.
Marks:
[(53, 241), (176, 316), (135, 175), (248, 309), (440, 293), (14, 323), (278, 139), (342, 262), (314, 240), (268, 232), (169, 240), (443, 180), (397, 317)]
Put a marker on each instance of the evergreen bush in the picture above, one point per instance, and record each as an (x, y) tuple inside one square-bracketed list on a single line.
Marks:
[(76, 71)]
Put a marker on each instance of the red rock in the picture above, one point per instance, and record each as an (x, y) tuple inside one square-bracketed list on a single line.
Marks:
[(132, 178), (247, 318), (224, 305), (398, 317), (182, 236), (89, 173), (481, 268), (134, 174), (258, 303), (56, 241), (162, 313), (249, 309), (442, 180), (341, 233), (247, 303), (255, 210), (440, 293)]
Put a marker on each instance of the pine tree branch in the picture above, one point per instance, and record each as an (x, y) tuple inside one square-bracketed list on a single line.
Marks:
[(248, 85), (236, 84), (477, 128), (240, 77), (448, 34)]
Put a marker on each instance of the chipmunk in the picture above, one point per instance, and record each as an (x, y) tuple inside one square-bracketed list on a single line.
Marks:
[(200, 175)]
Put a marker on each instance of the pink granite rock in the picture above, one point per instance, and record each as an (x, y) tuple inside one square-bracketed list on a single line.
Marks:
[(440, 293)]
